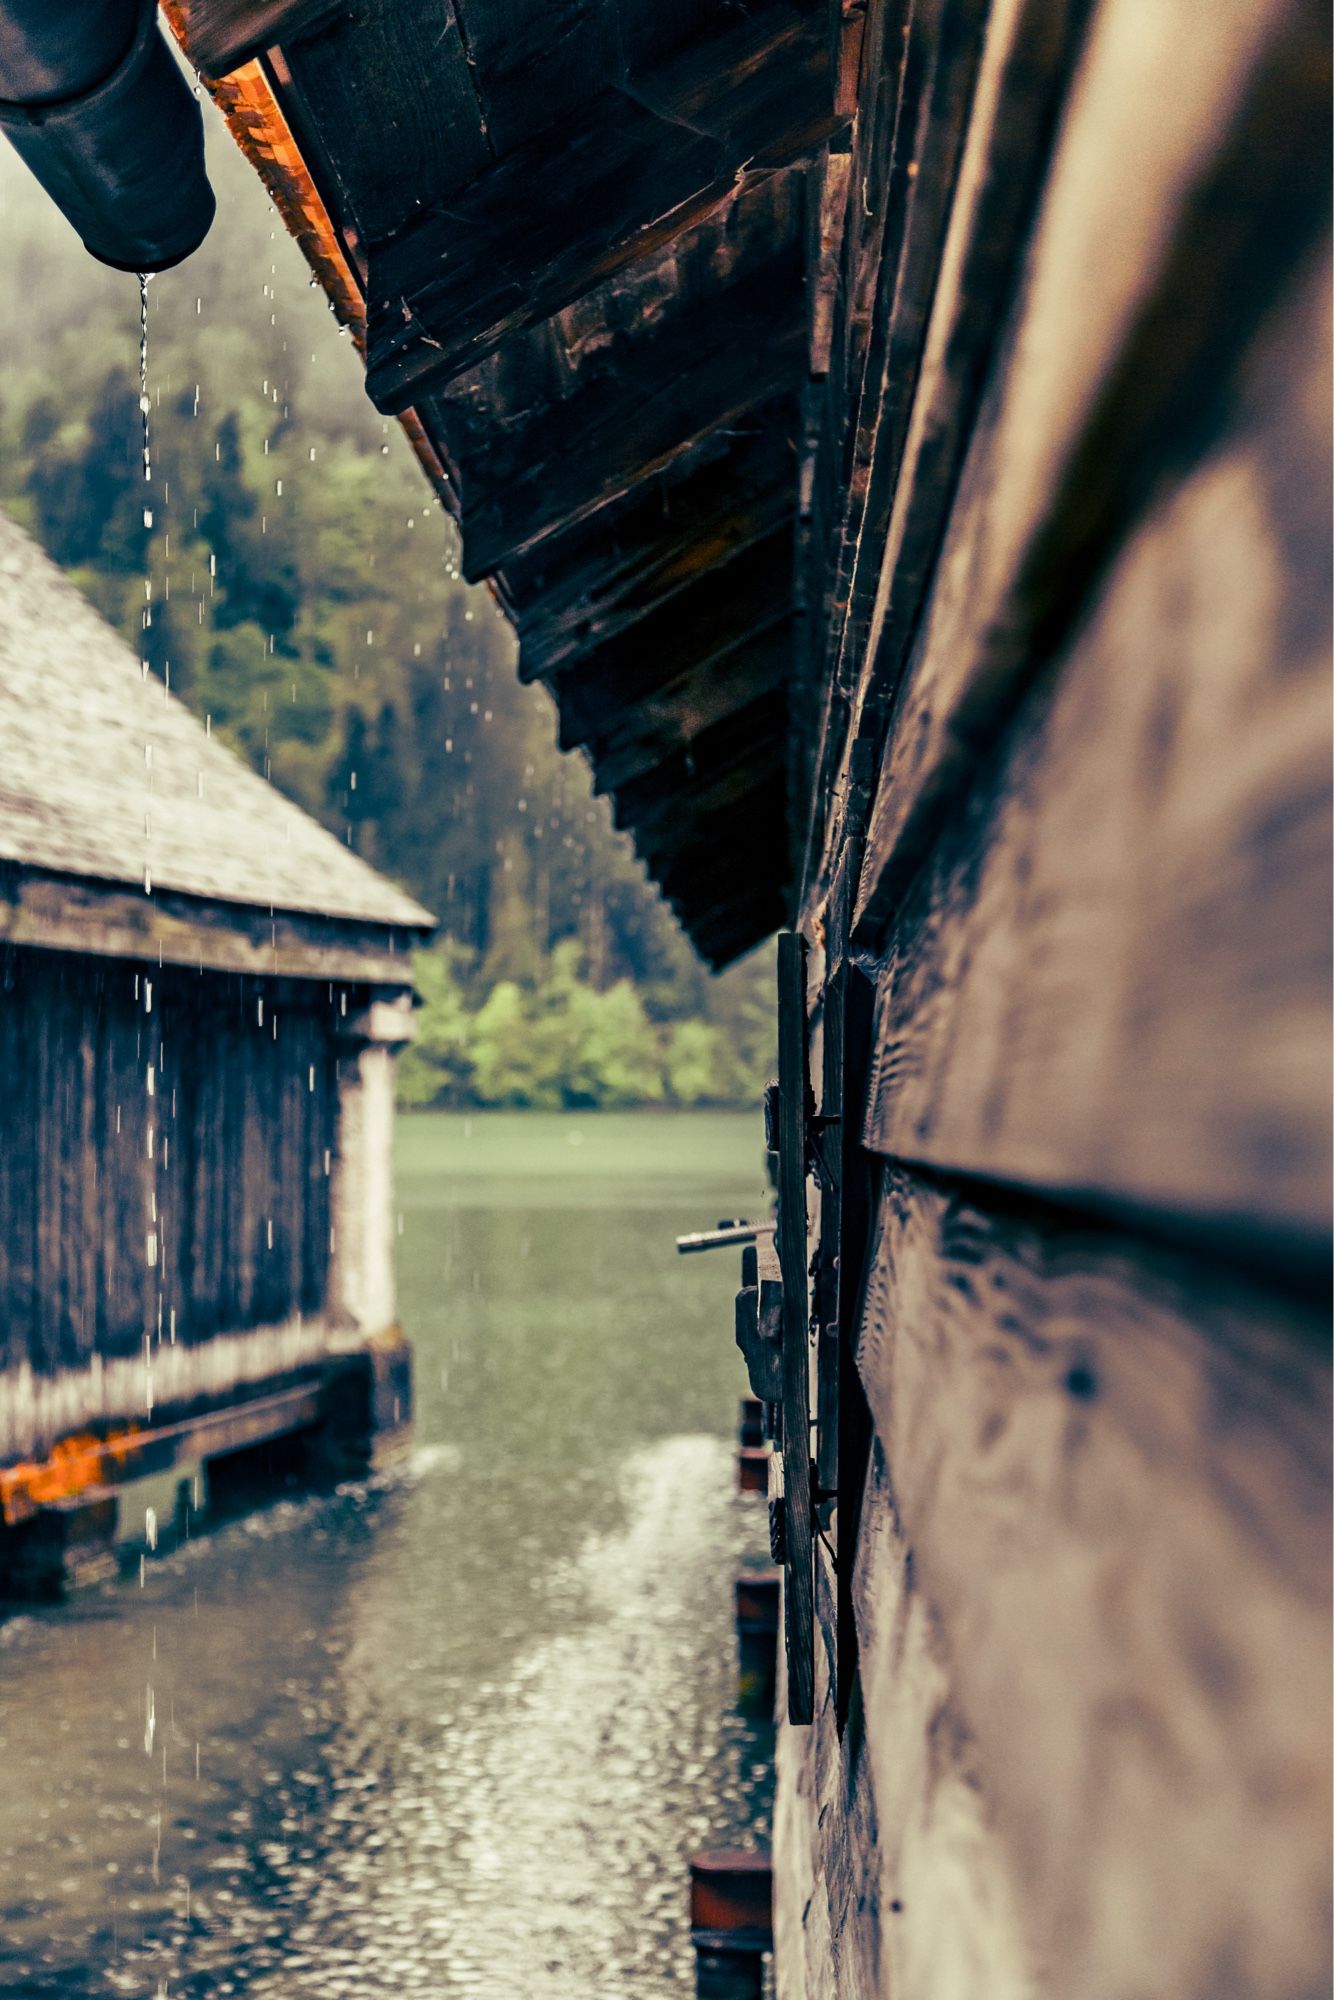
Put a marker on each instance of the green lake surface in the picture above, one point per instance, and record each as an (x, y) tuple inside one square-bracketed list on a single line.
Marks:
[(455, 1729)]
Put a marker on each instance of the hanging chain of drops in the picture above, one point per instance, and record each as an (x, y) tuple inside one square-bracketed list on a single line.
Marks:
[(144, 404), (144, 408)]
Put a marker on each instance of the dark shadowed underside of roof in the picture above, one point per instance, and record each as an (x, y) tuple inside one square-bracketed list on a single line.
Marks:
[(104, 775), (580, 246)]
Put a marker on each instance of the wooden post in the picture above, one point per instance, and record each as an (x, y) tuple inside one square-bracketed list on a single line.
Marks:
[(361, 1263), (757, 1616), (731, 1922), (798, 1532), (58, 1547), (752, 1468), (752, 1459)]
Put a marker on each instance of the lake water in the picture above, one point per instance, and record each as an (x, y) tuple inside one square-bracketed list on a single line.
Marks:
[(455, 1730)]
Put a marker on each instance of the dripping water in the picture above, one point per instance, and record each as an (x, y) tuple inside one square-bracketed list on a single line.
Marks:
[(144, 405), (147, 453)]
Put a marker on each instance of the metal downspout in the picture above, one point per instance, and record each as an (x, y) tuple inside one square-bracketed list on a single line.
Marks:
[(98, 109)]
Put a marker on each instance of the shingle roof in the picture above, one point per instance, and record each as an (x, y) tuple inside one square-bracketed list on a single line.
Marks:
[(103, 774)]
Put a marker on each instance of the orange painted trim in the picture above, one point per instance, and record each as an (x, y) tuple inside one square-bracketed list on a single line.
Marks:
[(251, 107), (75, 1465)]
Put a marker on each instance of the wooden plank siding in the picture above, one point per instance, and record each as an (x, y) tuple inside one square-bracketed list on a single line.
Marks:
[(1074, 754), (928, 543), (1139, 291), (1111, 980), (562, 215), (163, 1156), (1091, 1724)]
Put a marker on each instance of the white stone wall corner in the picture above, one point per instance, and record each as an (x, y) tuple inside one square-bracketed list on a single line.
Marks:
[(362, 1292)]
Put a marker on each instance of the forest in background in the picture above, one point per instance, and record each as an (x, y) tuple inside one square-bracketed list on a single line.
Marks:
[(288, 573)]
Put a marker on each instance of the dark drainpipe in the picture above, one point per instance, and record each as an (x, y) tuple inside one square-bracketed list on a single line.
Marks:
[(96, 106)]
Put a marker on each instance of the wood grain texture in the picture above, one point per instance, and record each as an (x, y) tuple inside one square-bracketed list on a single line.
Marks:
[(652, 400), (853, 1418), (793, 1251), (387, 101), (37, 1410), (535, 66), (220, 35), (1141, 290), (482, 414), (605, 457), (889, 1877), (932, 349), (1111, 1470), (162, 1151), (915, 73), (1112, 978), (898, 251), (567, 211), (52, 912), (582, 589)]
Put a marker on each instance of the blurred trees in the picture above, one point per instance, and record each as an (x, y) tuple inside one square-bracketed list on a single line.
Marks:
[(288, 573), (555, 1041)]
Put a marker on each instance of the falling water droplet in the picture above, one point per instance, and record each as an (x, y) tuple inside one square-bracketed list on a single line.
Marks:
[(144, 404)]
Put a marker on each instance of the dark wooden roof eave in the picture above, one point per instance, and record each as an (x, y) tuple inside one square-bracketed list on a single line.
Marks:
[(41, 909), (611, 399)]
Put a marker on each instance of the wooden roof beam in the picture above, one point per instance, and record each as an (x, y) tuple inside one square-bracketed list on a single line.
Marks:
[(718, 612), (732, 744), (658, 836), (221, 35), (642, 738), (580, 590), (656, 400), (739, 840), (559, 216), (727, 930)]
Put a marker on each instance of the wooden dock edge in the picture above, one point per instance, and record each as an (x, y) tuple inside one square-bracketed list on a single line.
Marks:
[(307, 1427)]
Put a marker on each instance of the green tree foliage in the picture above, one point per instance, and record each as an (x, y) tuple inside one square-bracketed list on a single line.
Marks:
[(288, 573), (558, 1042)]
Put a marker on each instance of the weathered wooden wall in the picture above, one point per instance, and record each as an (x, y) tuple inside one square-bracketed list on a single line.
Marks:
[(166, 1143), (1080, 766), (899, 430)]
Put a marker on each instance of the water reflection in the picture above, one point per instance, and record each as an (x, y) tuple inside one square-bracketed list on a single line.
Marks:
[(454, 1730)]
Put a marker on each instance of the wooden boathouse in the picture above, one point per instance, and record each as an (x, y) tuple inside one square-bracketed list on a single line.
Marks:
[(898, 430), (203, 994)]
